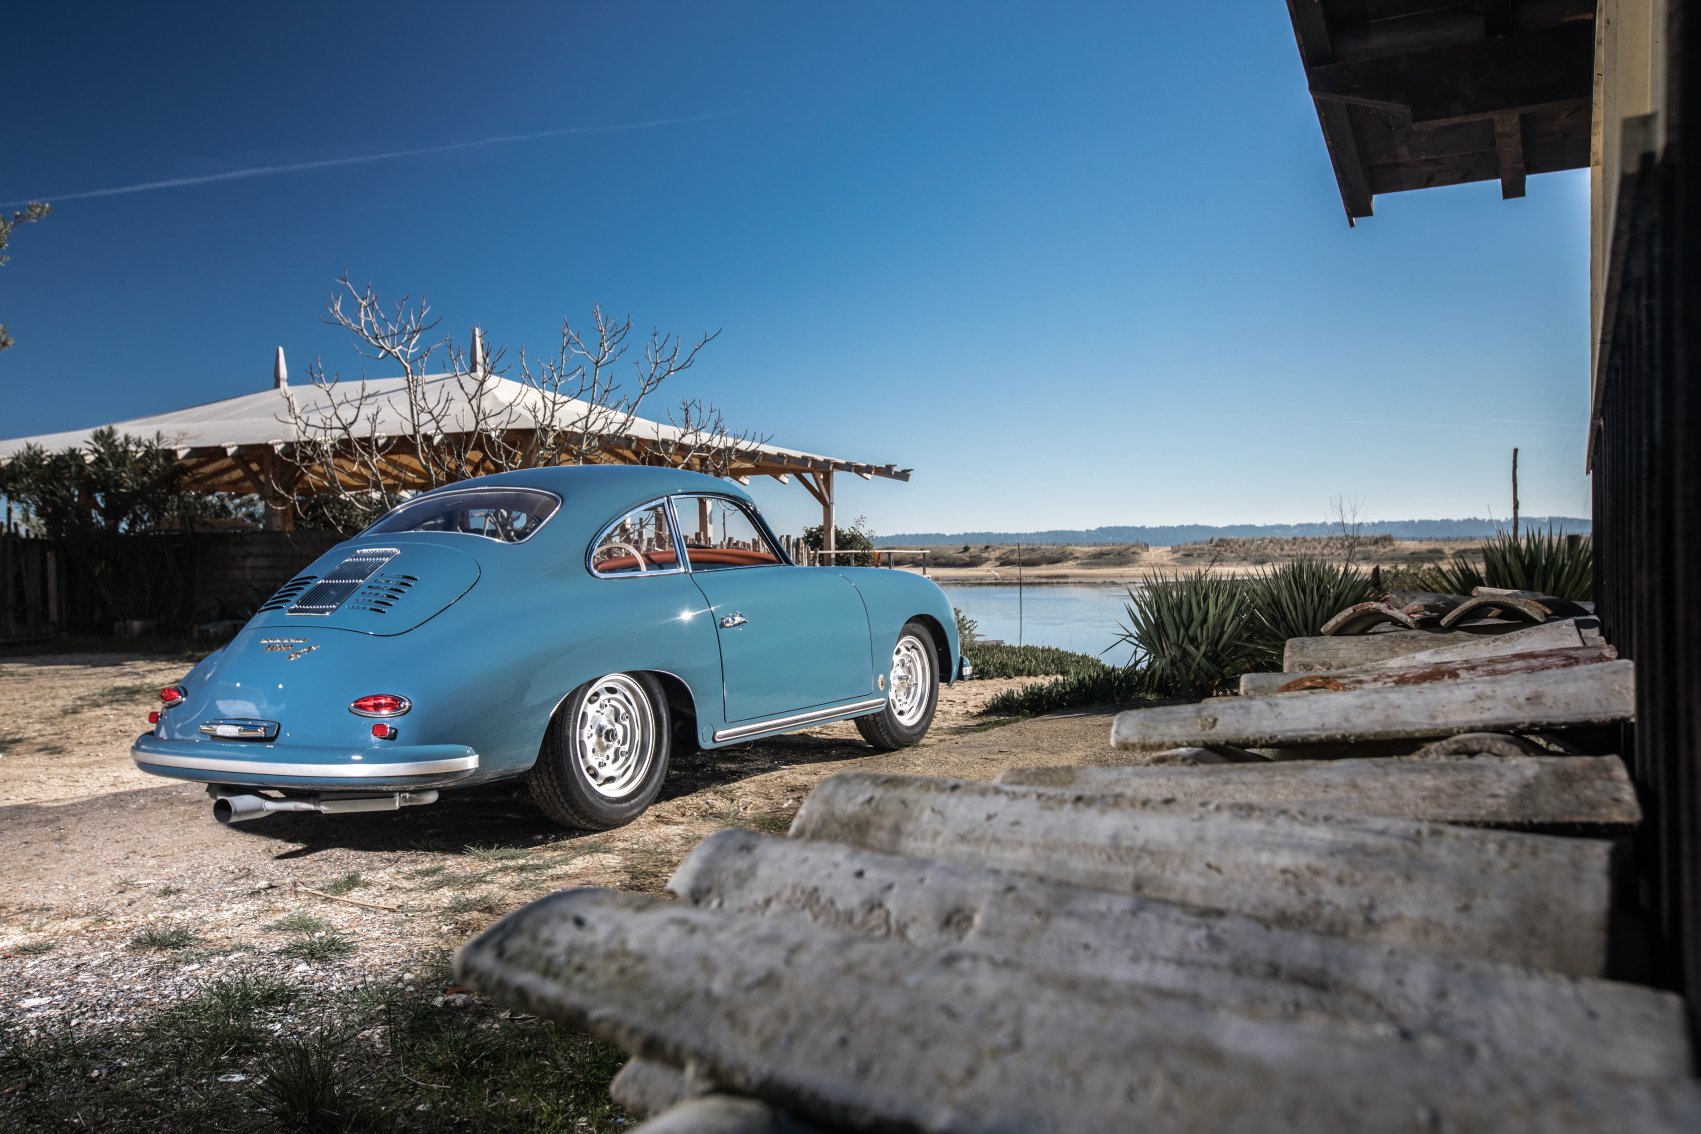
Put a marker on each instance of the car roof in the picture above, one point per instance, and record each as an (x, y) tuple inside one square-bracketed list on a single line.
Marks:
[(612, 485)]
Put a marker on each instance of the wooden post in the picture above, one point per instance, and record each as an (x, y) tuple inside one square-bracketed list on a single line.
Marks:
[(828, 542), (1514, 493)]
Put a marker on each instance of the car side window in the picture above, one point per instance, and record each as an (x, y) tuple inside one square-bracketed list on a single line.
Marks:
[(638, 543), (719, 534)]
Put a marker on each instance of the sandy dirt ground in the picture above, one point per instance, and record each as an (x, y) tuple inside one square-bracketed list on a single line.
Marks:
[(1233, 558), (96, 854)]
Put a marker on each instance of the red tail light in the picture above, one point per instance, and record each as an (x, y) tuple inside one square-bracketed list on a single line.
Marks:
[(153, 717), (380, 705), (170, 695)]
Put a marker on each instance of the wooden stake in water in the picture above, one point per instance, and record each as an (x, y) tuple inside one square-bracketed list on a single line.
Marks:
[(1019, 557)]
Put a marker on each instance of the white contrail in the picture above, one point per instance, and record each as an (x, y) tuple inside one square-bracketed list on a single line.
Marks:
[(365, 159)]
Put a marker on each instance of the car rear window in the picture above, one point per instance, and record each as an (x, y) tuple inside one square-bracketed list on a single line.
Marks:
[(507, 515)]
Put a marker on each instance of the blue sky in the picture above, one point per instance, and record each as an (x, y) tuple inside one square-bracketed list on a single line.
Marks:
[(1075, 263)]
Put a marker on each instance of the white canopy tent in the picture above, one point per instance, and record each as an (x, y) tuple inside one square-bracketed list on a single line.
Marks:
[(250, 443)]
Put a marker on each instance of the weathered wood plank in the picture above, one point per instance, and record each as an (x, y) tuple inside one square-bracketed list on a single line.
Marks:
[(1521, 793), (1308, 655), (870, 1034), (1591, 1026), (1532, 900), (1500, 665), (1564, 698)]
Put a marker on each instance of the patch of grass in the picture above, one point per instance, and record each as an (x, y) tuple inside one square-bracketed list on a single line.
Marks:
[(1295, 599), (319, 947), (496, 853), (523, 867), (456, 879), (34, 948), (164, 938), (224, 1021), (306, 1086), (168, 891), (471, 903), (426, 871), (648, 868), (1106, 686), (298, 922), (1028, 661), (394, 1059), (342, 884), (1034, 556)]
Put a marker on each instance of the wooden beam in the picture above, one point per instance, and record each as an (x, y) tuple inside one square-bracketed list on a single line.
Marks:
[(1603, 693), (1457, 891), (1094, 935), (1525, 70), (1311, 33), (1509, 148), (878, 1035)]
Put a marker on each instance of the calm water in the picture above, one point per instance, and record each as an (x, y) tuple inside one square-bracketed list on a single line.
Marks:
[(1083, 619)]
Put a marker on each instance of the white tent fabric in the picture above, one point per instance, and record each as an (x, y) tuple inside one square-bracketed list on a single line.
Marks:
[(264, 419)]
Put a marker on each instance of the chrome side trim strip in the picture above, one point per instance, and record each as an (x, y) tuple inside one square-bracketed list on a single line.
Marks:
[(800, 719), (313, 771)]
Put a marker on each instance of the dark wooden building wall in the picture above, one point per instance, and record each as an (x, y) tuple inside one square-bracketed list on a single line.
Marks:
[(1647, 488)]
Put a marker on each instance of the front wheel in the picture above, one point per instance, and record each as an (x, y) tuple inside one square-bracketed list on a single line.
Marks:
[(912, 692), (605, 755)]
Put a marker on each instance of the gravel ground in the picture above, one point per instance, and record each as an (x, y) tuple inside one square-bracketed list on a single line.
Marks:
[(123, 896)]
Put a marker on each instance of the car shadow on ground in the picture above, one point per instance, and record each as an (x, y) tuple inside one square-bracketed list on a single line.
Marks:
[(503, 815)]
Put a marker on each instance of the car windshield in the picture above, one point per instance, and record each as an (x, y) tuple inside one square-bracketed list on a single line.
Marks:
[(508, 515)]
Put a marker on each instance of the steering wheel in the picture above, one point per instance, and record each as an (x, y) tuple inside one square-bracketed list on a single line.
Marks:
[(636, 554), (498, 524)]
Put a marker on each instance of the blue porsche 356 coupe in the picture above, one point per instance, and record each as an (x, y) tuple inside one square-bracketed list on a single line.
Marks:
[(576, 626)]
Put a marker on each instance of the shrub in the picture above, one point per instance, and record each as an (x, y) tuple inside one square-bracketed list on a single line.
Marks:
[(1034, 556), (968, 629), (1295, 599), (1106, 685), (1190, 633), (1549, 563), (854, 538), (1029, 661)]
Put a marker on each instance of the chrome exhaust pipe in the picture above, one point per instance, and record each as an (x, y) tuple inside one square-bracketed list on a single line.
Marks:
[(241, 807), (233, 805)]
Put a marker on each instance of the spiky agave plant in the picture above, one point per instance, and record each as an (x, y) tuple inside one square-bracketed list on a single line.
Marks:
[(1189, 633), (1550, 563), (1295, 599)]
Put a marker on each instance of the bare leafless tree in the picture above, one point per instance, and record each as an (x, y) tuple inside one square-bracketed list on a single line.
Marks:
[(452, 411), (1345, 515)]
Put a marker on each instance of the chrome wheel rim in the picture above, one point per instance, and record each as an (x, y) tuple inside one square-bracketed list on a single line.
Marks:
[(616, 736), (912, 679)]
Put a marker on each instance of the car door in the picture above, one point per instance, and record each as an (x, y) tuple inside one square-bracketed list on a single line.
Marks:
[(791, 638)]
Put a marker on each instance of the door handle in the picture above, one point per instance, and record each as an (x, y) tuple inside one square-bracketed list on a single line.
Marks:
[(733, 619)]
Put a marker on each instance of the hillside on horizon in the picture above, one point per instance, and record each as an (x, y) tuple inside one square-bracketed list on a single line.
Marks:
[(1168, 535)]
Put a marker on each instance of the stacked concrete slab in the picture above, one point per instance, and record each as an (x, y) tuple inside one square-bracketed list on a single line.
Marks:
[(1415, 943)]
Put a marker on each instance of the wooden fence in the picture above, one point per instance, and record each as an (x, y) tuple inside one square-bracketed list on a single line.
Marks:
[(174, 581)]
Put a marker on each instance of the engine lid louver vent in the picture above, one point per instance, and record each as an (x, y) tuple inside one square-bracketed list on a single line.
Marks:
[(287, 593), (343, 580), (382, 592)]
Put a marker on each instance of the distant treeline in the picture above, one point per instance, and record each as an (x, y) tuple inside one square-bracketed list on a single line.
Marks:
[(1168, 535)]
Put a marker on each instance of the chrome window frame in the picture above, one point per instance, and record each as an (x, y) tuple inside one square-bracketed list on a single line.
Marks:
[(679, 566), (757, 520), (435, 496)]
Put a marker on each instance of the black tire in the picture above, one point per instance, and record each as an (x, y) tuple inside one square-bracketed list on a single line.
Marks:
[(605, 755), (912, 692)]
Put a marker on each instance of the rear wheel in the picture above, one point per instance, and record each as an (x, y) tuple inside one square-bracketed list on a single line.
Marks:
[(912, 692), (605, 755)]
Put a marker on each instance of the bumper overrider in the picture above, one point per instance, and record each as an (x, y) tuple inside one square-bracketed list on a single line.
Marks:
[(298, 768)]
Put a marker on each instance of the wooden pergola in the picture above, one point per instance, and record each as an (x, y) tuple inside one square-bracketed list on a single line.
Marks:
[(249, 444)]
